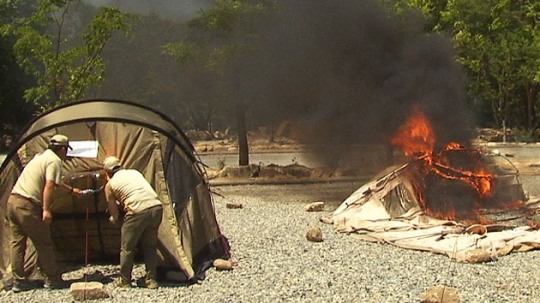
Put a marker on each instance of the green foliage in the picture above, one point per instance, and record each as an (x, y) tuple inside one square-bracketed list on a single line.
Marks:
[(212, 43), (433, 10), (225, 15), (526, 136), (181, 51), (64, 64), (217, 40), (498, 42), (14, 112)]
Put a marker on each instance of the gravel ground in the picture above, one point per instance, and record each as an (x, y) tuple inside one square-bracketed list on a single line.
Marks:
[(277, 264)]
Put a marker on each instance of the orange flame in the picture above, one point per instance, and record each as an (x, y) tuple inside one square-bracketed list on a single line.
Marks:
[(417, 139), (416, 136)]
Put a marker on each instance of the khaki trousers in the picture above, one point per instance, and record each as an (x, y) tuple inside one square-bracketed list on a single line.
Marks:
[(25, 222), (140, 228)]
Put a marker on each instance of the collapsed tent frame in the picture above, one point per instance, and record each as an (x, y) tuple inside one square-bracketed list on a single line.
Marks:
[(386, 210)]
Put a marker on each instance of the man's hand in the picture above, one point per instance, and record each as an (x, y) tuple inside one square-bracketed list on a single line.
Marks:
[(77, 191), (47, 216), (113, 219)]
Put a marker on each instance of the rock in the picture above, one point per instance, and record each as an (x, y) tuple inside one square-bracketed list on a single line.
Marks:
[(271, 171), (440, 294), (477, 229), (326, 220), (234, 205), (239, 171), (223, 264), (474, 256), (314, 234), (322, 172), (212, 174), (315, 206), (82, 291), (195, 135), (297, 170)]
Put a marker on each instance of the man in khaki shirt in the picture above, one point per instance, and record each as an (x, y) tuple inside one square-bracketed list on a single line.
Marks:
[(29, 213), (144, 211)]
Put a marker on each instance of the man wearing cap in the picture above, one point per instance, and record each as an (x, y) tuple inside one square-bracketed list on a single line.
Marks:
[(143, 216), (29, 213)]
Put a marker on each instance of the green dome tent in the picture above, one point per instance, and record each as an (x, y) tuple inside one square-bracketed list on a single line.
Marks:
[(144, 139)]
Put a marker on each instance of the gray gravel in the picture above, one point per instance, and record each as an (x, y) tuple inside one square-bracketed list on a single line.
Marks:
[(277, 264)]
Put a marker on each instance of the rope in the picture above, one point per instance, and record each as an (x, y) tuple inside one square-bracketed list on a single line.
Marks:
[(448, 272), (86, 236), (86, 242)]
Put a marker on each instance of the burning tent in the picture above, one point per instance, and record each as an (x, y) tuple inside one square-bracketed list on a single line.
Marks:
[(463, 202)]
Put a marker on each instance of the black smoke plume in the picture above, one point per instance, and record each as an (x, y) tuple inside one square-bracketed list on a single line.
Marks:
[(353, 72)]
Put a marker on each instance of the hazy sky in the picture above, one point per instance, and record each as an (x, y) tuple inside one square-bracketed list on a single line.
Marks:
[(178, 10)]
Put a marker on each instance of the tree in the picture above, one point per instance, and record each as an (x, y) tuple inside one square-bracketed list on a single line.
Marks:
[(433, 10), (49, 47), (218, 40), (137, 69), (14, 111), (348, 71), (498, 42)]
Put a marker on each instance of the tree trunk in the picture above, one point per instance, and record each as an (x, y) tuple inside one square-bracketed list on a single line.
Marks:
[(531, 111), (272, 137), (243, 150), (504, 130)]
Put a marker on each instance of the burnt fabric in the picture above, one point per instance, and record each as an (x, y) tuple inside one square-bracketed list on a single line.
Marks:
[(387, 210)]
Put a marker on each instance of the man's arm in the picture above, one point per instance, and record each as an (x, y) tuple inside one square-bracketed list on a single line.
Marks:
[(48, 191), (111, 204), (71, 190)]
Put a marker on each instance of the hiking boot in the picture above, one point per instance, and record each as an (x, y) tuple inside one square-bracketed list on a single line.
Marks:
[(151, 284), (59, 284), (22, 285), (122, 283)]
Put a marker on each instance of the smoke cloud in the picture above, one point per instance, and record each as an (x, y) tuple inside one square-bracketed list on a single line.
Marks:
[(353, 72), (350, 70)]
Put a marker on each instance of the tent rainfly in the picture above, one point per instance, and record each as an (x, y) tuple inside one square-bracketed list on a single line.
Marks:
[(144, 139), (387, 209)]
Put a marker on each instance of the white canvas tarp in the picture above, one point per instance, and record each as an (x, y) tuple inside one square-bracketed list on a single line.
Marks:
[(385, 210)]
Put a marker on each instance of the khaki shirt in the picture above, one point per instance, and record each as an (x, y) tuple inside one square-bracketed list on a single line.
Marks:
[(130, 188), (44, 166)]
